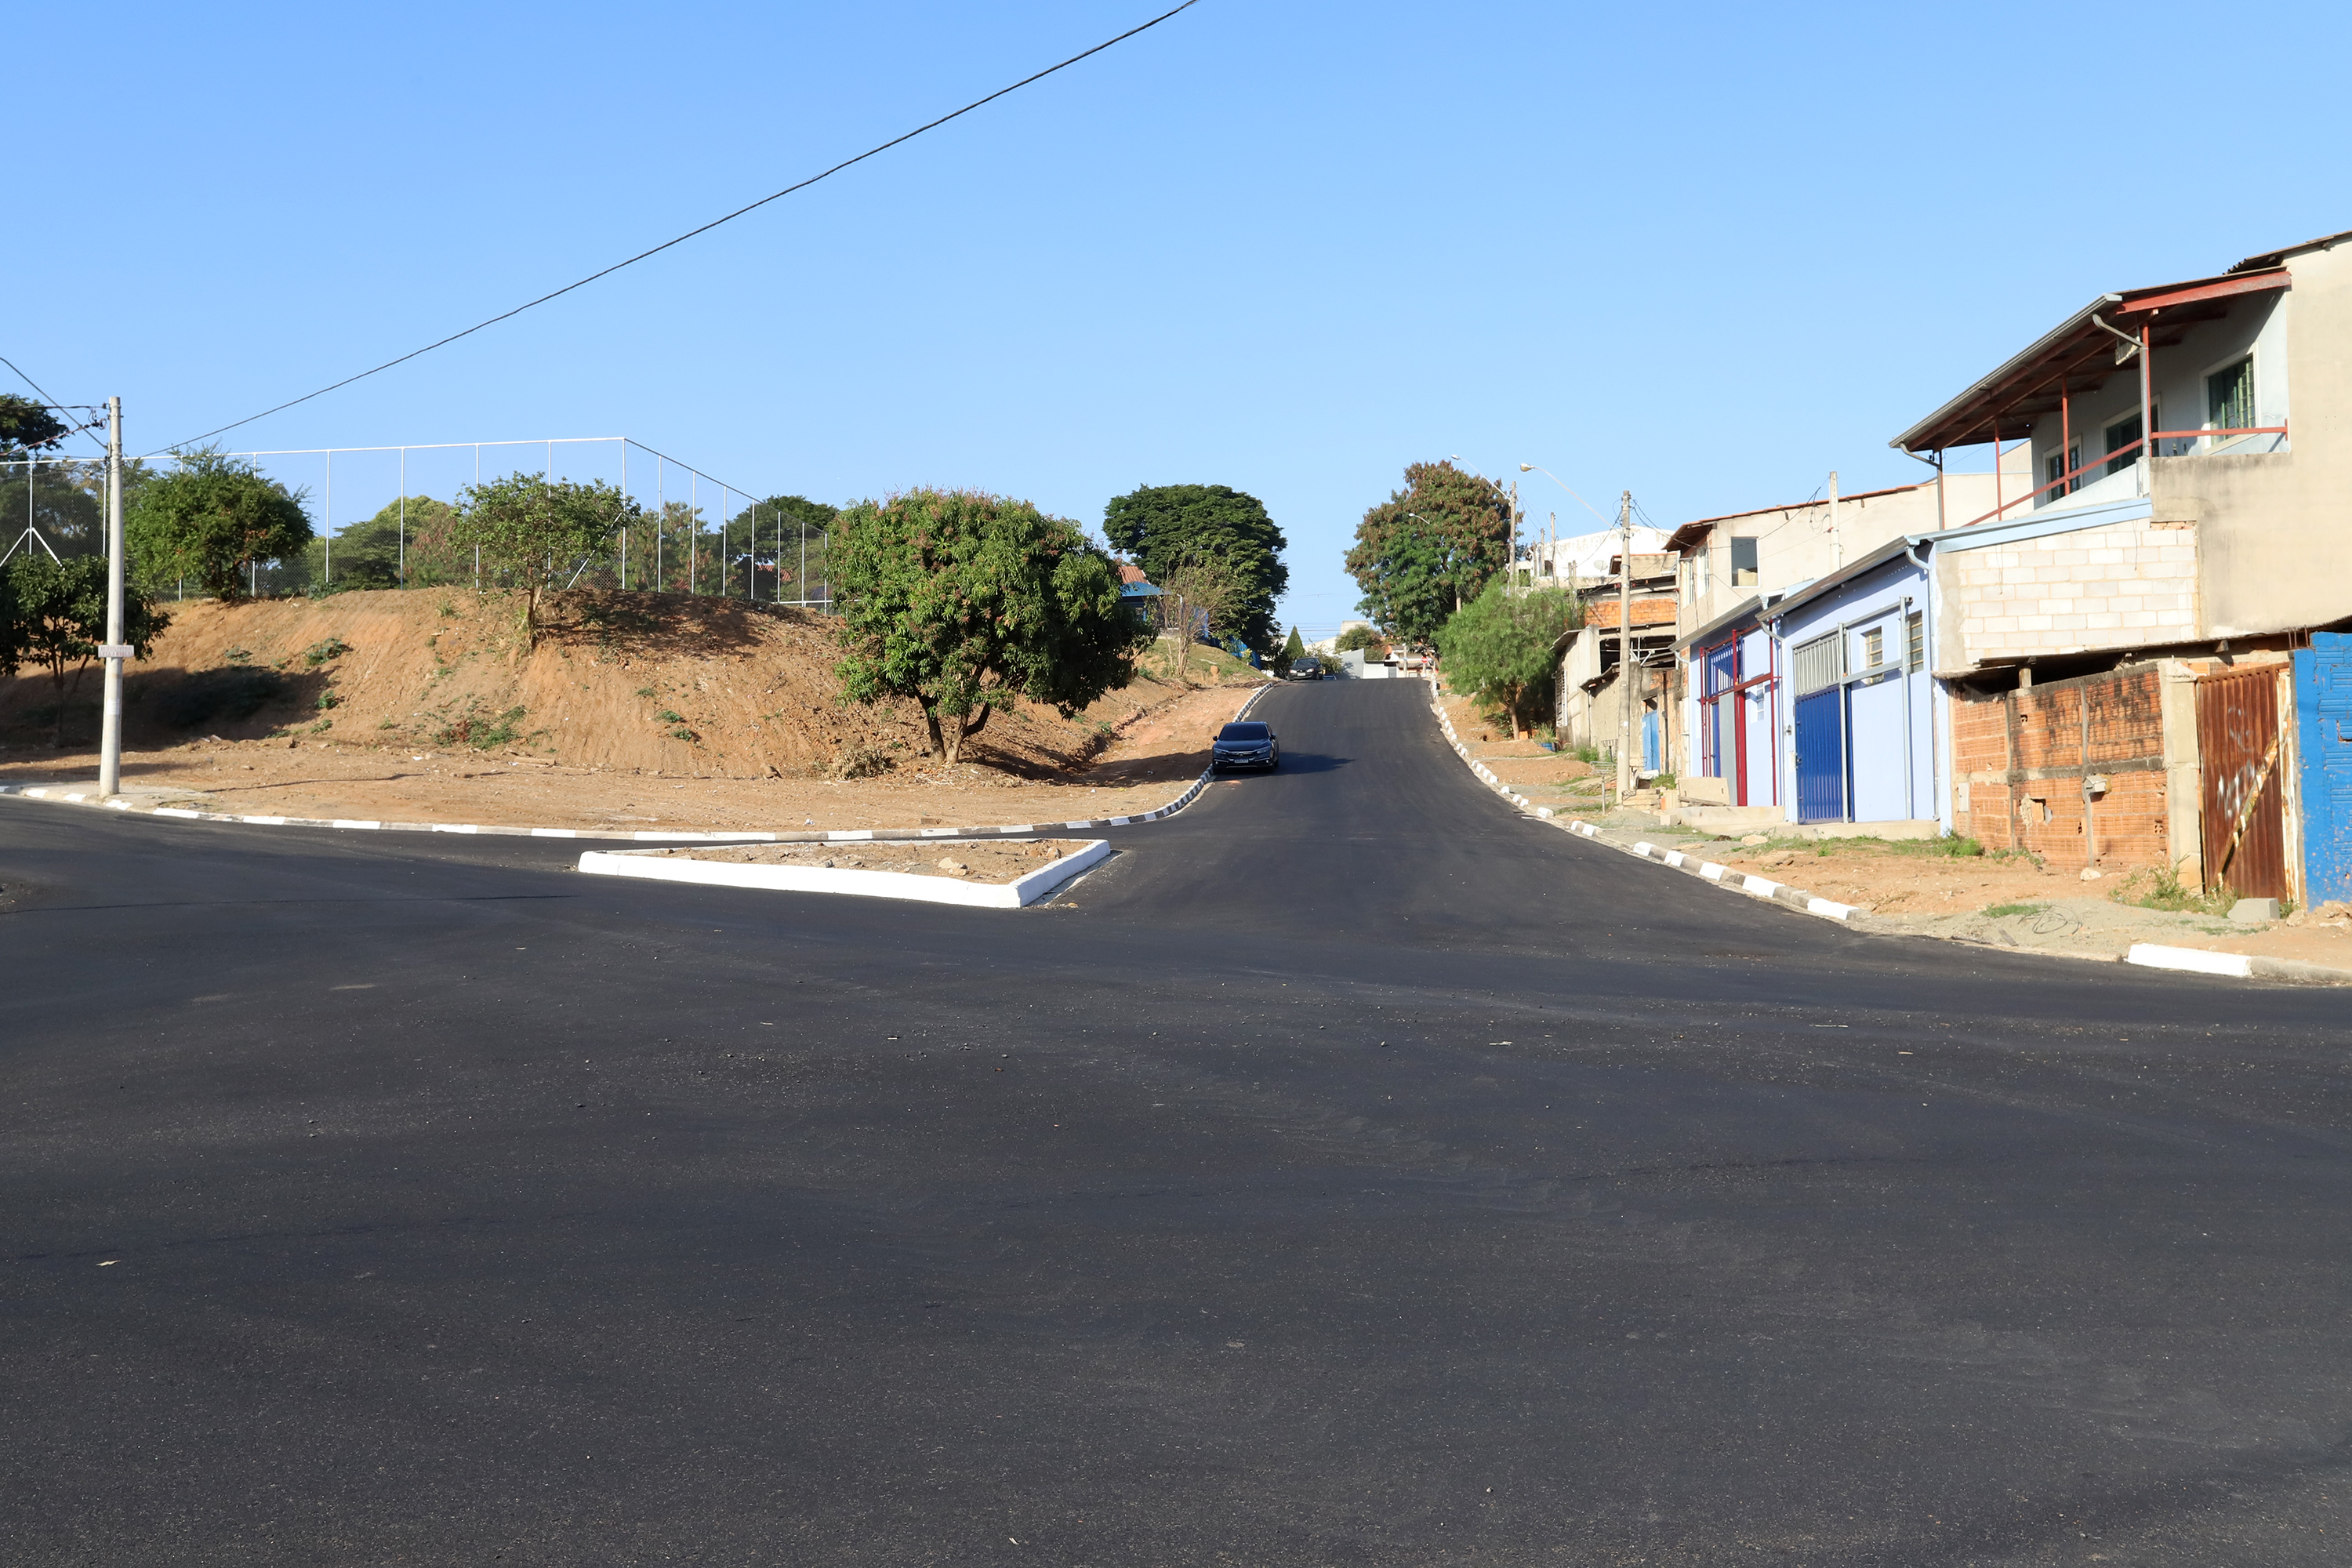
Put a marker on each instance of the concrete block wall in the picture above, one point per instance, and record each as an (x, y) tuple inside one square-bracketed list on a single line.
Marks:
[(2020, 759), (2126, 585)]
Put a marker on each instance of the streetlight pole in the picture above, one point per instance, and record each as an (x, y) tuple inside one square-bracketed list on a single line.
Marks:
[(110, 745)]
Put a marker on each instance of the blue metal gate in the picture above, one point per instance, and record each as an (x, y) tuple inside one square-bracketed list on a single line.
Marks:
[(1821, 756), (2323, 709)]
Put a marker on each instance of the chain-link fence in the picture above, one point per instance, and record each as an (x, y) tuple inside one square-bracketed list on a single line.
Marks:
[(384, 517)]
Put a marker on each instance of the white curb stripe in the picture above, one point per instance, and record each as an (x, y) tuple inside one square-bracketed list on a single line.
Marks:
[(2195, 961)]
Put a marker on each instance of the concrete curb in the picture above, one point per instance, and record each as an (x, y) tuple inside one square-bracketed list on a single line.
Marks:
[(1708, 870), (2235, 966), (906, 885), (2187, 959), (69, 795)]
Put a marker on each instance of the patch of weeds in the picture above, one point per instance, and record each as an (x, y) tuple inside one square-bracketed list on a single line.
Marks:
[(1959, 847), (666, 717), (318, 652), (2161, 888), (479, 729), (1999, 911), (329, 699), (682, 734), (237, 656), (859, 762), (322, 726), (389, 724), (449, 611), (645, 691)]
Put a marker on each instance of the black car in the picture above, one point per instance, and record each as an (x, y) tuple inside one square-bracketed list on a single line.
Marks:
[(1245, 744), (1305, 669)]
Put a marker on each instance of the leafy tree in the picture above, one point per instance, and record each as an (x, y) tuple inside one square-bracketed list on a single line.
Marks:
[(211, 518), (61, 499), (1354, 638), (29, 427), (1162, 526), (1200, 595), (372, 554), (963, 602), (1430, 548), (59, 618), (1293, 651), (798, 553), (668, 548), (1503, 648), (535, 534)]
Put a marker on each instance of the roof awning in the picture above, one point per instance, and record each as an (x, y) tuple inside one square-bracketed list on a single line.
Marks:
[(2079, 356)]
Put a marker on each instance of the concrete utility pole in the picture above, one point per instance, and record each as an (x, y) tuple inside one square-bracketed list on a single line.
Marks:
[(110, 745), (1837, 545), (1513, 578), (1624, 646)]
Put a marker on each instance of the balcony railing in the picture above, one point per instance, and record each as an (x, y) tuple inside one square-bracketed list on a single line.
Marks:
[(2184, 444)]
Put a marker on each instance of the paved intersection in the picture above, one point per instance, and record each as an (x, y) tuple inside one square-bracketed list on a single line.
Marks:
[(1351, 1171)]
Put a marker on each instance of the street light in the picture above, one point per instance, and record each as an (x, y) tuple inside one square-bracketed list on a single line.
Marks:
[(1547, 473)]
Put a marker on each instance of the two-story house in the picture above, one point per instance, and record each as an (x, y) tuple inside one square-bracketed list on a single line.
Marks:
[(2130, 652)]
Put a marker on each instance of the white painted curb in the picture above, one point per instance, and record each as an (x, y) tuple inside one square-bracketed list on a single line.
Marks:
[(2194, 960), (906, 885), (1721, 876)]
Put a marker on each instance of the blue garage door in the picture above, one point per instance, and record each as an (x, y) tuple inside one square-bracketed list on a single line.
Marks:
[(1821, 756), (2323, 707)]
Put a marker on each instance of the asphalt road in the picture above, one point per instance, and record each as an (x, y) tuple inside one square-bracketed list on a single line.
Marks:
[(1349, 1171)]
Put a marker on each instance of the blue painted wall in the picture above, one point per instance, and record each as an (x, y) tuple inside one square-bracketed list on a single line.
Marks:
[(1891, 756)]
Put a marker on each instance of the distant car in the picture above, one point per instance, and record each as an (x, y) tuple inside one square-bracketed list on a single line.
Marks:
[(1305, 669), (1245, 744)]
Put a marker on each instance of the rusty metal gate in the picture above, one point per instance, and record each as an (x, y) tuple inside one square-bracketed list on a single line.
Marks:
[(2238, 744)]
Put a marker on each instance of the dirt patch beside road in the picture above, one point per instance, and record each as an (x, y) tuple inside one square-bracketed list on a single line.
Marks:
[(960, 859), (637, 711)]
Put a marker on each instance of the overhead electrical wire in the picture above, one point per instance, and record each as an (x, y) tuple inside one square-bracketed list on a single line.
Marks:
[(81, 429), (690, 234)]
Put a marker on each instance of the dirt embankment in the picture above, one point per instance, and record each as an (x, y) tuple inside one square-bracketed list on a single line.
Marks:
[(422, 705)]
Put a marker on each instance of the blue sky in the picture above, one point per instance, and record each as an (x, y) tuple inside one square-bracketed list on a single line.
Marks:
[(1706, 253)]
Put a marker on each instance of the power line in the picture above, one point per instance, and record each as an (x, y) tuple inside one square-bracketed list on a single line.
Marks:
[(47, 399), (691, 233)]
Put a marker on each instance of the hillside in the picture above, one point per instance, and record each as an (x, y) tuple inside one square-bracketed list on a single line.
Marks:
[(656, 683), (420, 706)]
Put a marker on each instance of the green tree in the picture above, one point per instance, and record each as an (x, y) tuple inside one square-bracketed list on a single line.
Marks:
[(1504, 647), (1161, 526), (789, 533), (1430, 548), (536, 534), (1293, 650), (1200, 595), (210, 519), (963, 602), (1354, 638), (29, 427), (390, 549), (58, 618)]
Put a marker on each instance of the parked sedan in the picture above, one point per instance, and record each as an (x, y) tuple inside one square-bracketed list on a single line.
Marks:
[(1245, 744), (1305, 669)]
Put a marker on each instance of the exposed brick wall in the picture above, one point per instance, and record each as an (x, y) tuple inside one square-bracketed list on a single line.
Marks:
[(2019, 758), (2124, 585)]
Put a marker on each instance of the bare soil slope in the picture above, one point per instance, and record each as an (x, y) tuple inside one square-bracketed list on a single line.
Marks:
[(422, 705)]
